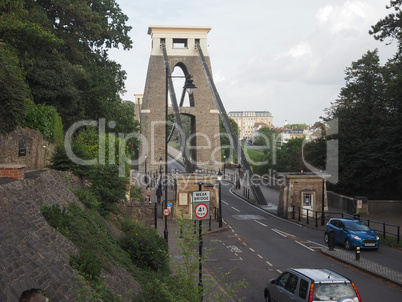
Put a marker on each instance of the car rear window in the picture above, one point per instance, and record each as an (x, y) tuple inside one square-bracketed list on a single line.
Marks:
[(333, 291)]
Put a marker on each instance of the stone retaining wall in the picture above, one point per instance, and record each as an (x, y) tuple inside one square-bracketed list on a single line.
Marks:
[(34, 255), (38, 150)]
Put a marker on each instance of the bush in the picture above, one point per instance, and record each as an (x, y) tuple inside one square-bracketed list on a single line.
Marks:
[(145, 247), (136, 192), (88, 264), (57, 218), (107, 186), (87, 198), (46, 120)]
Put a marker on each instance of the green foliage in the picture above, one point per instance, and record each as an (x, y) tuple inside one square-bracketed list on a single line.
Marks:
[(107, 186), (88, 264), (61, 161), (390, 26), (46, 120), (145, 247), (289, 157), (136, 193), (87, 198), (296, 126), (57, 218), (13, 91)]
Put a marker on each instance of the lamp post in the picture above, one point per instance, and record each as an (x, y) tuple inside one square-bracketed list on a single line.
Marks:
[(160, 170), (224, 166), (189, 86), (323, 200), (146, 176), (220, 198)]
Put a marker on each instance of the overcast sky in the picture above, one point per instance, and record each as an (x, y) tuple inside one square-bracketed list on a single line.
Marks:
[(286, 57)]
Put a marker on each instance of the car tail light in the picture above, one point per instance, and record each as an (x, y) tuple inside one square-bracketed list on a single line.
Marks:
[(310, 293), (357, 292)]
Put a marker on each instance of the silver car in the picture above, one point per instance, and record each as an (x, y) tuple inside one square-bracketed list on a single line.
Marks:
[(310, 285)]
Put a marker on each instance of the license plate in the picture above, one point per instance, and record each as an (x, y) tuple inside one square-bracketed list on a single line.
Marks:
[(369, 244)]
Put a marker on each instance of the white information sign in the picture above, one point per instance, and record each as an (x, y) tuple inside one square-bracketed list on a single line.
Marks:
[(201, 196)]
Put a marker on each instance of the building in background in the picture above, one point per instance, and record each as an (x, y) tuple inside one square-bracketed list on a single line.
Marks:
[(137, 106), (249, 120)]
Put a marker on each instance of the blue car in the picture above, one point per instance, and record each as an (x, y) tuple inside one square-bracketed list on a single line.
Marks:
[(352, 233)]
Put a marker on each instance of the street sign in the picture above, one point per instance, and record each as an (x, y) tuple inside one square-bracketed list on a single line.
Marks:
[(166, 212), (360, 204), (201, 196), (169, 205), (201, 211)]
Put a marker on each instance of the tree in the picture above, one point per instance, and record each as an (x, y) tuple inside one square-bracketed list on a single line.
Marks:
[(13, 91), (390, 26), (290, 156), (360, 111)]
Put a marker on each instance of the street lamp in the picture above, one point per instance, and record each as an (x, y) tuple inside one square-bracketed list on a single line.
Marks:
[(220, 198), (189, 86)]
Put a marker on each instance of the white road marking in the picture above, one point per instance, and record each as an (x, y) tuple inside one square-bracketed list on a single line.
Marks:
[(251, 249), (260, 223), (266, 212), (283, 234), (259, 256), (268, 263), (321, 245), (235, 209), (304, 246), (225, 202)]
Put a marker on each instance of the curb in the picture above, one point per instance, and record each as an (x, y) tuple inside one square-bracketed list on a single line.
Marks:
[(368, 266)]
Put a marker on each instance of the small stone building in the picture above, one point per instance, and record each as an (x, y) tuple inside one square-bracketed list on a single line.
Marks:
[(186, 184), (304, 191)]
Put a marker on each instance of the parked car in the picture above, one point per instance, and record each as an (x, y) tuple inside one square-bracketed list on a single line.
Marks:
[(310, 285), (352, 233)]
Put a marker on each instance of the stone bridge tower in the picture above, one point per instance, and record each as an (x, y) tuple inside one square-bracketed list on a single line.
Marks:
[(175, 47)]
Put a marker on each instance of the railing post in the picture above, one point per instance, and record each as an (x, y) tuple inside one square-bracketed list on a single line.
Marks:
[(293, 212), (308, 217), (399, 230), (383, 229), (299, 214)]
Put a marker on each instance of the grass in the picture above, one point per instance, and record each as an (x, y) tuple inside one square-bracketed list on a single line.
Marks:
[(390, 241)]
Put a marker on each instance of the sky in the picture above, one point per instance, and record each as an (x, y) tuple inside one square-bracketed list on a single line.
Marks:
[(285, 57)]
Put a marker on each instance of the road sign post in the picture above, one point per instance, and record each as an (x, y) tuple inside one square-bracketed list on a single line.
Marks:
[(200, 212)]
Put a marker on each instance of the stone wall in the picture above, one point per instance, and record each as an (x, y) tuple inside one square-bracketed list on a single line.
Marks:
[(34, 255), (38, 150)]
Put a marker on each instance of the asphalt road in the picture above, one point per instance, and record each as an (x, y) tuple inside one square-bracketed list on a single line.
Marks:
[(257, 246)]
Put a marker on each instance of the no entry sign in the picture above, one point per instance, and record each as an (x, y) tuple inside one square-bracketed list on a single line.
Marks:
[(166, 212)]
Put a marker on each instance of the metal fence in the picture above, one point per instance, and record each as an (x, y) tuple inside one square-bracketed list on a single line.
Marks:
[(317, 218)]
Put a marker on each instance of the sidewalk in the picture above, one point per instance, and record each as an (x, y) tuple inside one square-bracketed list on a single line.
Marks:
[(209, 282)]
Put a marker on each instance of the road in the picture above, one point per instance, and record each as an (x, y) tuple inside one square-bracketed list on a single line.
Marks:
[(257, 246)]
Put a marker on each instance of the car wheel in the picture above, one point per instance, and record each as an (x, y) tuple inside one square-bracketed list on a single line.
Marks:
[(348, 246), (267, 296), (326, 239)]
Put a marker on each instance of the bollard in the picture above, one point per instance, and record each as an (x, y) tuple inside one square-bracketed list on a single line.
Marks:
[(331, 240), (358, 254)]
